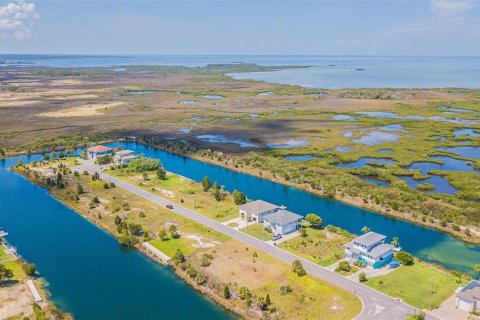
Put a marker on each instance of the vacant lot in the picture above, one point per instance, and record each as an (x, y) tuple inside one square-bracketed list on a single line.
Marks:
[(413, 284)]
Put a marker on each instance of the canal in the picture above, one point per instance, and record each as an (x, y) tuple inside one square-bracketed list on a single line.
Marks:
[(88, 273), (428, 244)]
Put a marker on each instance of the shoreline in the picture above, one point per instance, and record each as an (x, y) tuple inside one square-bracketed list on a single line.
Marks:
[(356, 202), (138, 247)]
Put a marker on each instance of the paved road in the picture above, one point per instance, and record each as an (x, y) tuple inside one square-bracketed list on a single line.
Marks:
[(375, 304)]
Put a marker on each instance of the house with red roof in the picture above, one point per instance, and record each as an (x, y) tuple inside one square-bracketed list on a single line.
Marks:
[(99, 151)]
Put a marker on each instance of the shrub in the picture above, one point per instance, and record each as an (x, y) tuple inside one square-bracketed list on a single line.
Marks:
[(226, 292), (314, 220), (128, 240), (200, 279), (104, 159), (29, 269), (142, 164), (205, 262), (297, 267), (404, 258), (285, 288), (344, 266), (178, 257), (362, 277)]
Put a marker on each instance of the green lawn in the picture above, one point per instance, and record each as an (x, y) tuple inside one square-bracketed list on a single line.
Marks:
[(413, 284), (3, 254), (256, 230), (317, 247), (170, 246)]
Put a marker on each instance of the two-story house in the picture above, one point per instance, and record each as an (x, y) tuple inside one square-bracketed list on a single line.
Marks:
[(283, 222), (370, 249), (257, 210)]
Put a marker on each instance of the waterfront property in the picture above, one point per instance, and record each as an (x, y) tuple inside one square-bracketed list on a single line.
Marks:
[(468, 298), (257, 210), (370, 249), (283, 222), (98, 151), (124, 156)]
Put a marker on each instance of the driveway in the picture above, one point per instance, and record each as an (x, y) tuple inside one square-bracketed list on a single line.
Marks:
[(376, 305), (448, 311)]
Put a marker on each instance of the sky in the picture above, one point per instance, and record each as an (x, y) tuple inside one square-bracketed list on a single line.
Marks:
[(315, 27)]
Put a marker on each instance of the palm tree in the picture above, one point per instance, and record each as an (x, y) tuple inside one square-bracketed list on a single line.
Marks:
[(395, 242), (365, 229)]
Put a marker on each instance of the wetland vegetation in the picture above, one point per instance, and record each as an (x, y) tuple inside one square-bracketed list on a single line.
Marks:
[(401, 126)]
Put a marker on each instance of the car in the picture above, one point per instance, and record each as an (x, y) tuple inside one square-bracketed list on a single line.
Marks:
[(276, 237), (169, 206)]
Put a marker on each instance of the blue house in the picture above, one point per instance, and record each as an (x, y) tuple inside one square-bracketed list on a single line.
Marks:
[(370, 249)]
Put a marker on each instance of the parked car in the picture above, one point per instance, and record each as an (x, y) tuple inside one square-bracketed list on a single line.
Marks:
[(276, 237), (169, 206)]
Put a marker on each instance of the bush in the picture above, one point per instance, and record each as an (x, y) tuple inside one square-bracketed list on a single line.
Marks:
[(205, 262), (104, 159), (362, 277), (404, 258), (297, 267), (226, 292), (285, 288), (142, 164), (30, 269), (178, 257), (128, 240), (314, 220), (344, 266)]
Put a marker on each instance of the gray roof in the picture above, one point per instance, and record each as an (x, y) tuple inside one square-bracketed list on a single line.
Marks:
[(257, 206), (376, 251), (124, 153), (129, 157), (381, 249), (471, 291), (369, 238), (283, 217)]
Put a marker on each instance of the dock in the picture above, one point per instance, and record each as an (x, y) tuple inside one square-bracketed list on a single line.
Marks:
[(159, 254), (34, 291)]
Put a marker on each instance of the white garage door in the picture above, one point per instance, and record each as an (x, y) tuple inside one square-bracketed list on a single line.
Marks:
[(464, 305)]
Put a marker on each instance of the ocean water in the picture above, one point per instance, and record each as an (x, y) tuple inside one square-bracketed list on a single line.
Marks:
[(324, 71)]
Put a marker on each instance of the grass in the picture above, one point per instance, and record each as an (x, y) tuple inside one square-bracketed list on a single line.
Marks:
[(256, 230), (232, 262), (413, 283), (185, 192), (318, 246)]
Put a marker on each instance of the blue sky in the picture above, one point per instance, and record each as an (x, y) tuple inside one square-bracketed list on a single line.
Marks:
[(382, 27)]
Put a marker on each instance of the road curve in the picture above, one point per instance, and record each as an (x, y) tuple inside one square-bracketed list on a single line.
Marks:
[(376, 305)]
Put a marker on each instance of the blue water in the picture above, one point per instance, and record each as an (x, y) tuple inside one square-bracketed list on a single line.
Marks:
[(301, 157), (428, 244), (449, 164), (377, 182), (326, 71), (363, 162), (466, 132), (441, 184), (88, 273), (468, 152)]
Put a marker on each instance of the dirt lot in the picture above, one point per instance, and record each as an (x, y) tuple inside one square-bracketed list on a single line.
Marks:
[(15, 300)]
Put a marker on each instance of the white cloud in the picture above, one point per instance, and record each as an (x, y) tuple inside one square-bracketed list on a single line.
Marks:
[(17, 19), (445, 8)]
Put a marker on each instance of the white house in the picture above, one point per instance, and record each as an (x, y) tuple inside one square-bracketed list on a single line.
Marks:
[(257, 210), (370, 249), (283, 222), (98, 151), (468, 298), (123, 156), (127, 159)]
